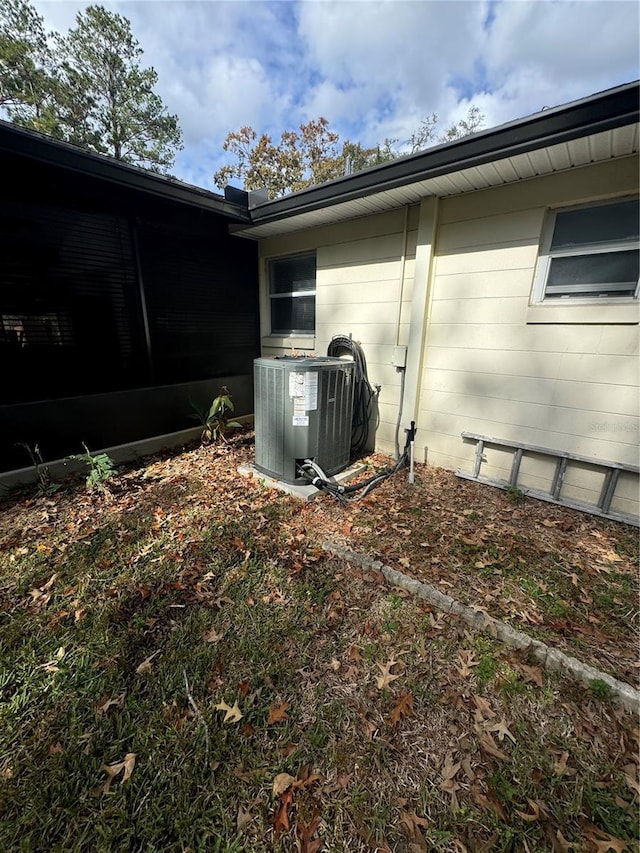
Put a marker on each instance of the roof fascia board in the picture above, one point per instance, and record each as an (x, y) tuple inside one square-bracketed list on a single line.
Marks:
[(36, 146), (605, 111)]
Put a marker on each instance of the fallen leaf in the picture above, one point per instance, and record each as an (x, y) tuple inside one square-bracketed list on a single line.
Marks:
[(354, 654), (612, 557), (211, 636), (145, 666), (535, 814), (244, 818), (630, 777), (559, 843), (113, 771), (387, 677), (560, 766), (448, 784), (231, 714), (488, 745), (484, 709), (604, 842), (501, 729), (281, 815), (413, 825), (532, 674), (615, 844), (489, 802), (279, 714), (306, 777), (402, 708), (282, 782), (467, 660), (305, 833), (115, 702), (467, 768), (343, 780), (449, 769)]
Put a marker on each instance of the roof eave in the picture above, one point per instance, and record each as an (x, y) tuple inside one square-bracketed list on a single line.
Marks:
[(605, 111), (44, 149)]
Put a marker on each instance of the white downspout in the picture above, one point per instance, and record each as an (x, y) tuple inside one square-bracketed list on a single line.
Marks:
[(401, 370), (420, 307)]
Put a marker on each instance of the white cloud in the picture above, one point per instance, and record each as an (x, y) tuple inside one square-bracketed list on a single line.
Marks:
[(374, 69)]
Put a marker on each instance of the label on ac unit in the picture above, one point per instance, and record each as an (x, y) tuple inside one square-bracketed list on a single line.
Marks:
[(303, 389), (300, 417)]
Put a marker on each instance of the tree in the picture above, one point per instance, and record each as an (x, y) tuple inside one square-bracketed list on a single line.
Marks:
[(26, 82), (314, 154), (302, 159), (94, 93), (466, 126), (426, 134)]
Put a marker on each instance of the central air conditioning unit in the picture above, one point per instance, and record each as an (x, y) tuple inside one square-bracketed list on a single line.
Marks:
[(303, 410)]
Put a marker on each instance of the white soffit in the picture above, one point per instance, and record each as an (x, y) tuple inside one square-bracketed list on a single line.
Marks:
[(620, 142)]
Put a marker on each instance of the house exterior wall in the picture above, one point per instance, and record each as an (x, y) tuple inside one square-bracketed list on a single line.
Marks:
[(481, 358), (493, 365), (364, 284)]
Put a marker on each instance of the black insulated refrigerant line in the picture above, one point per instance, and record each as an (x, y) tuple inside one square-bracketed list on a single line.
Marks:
[(363, 392), (316, 476)]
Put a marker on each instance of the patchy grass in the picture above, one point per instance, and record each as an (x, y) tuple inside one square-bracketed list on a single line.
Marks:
[(169, 650)]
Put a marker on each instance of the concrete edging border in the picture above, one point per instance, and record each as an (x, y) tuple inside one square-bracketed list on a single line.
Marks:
[(549, 657)]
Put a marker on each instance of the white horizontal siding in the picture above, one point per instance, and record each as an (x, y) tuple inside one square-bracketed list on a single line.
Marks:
[(602, 399), (491, 230), (493, 312), (604, 368), (568, 387), (579, 184), (364, 288), (507, 256)]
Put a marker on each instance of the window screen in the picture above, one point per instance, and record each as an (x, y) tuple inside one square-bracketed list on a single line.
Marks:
[(292, 294), (593, 252)]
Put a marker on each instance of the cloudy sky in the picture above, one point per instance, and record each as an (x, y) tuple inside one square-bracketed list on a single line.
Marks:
[(374, 69)]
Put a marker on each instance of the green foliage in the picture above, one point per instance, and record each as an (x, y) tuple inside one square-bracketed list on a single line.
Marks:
[(101, 468), (218, 424), (302, 158), (28, 85), (600, 689), (87, 87), (514, 494), (487, 668)]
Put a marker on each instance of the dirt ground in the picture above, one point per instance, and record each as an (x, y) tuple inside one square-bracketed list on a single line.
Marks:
[(562, 576)]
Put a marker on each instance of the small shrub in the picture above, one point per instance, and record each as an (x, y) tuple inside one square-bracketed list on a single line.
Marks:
[(217, 423), (101, 468)]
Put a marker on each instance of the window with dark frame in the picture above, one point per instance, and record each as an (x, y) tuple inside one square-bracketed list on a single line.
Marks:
[(591, 252), (292, 294)]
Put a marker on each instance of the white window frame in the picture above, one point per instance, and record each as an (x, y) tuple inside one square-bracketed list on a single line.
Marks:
[(547, 254), (293, 294)]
